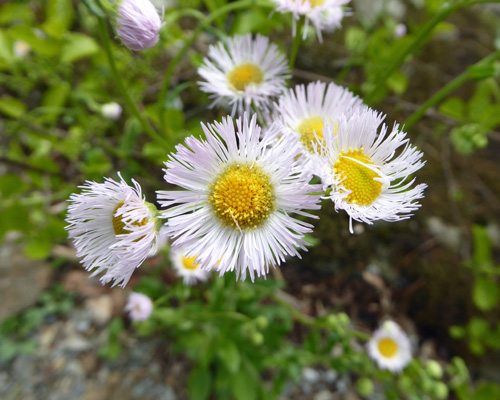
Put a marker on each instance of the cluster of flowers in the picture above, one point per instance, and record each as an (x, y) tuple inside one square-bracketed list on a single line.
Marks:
[(246, 188)]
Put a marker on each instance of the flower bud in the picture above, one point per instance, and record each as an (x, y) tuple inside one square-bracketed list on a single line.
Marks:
[(111, 111), (138, 24), (434, 369)]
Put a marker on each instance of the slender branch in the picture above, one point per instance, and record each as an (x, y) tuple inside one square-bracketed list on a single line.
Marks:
[(103, 30), (450, 87), (421, 38), (296, 44)]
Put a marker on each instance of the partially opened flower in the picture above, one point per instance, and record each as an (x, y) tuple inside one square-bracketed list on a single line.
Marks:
[(324, 15), (389, 347), (113, 228), (247, 72), (138, 24), (367, 168), (303, 110), (188, 268), (139, 306), (238, 197)]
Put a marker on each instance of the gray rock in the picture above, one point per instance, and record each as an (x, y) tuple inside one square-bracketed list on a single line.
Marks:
[(310, 375)]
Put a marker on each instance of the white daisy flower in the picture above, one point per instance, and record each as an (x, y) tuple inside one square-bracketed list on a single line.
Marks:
[(188, 268), (358, 161), (247, 72), (113, 228), (304, 109), (139, 306), (239, 195), (325, 15), (389, 347)]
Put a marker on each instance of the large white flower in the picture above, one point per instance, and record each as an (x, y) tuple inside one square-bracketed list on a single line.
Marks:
[(389, 347), (188, 268), (247, 72), (367, 168), (113, 228), (304, 109), (239, 195), (325, 15)]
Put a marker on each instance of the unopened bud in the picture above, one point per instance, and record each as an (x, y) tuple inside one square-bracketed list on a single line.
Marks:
[(138, 24), (111, 111), (434, 369)]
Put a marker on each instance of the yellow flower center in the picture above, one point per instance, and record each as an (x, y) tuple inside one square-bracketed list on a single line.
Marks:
[(387, 347), (307, 128), (245, 74), (188, 263), (242, 196), (358, 178), (119, 225), (315, 3)]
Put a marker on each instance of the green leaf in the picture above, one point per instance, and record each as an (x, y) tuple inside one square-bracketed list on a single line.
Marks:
[(54, 99), (10, 184), (38, 248), (453, 107), (11, 13), (78, 46), (487, 391), (482, 246), (486, 293), (199, 384), (245, 386), (59, 17), (230, 356), (398, 82), (12, 107)]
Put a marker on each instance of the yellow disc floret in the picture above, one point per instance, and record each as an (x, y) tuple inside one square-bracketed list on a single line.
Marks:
[(307, 128), (189, 263), (245, 74), (358, 178), (119, 225), (387, 347), (242, 196), (315, 3)]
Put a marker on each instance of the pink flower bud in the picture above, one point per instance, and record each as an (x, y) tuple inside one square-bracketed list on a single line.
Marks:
[(138, 24)]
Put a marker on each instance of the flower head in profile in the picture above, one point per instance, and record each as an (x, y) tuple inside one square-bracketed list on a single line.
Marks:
[(113, 228), (324, 15), (303, 110), (138, 24), (389, 347), (139, 306), (367, 168), (188, 268), (247, 72), (239, 194)]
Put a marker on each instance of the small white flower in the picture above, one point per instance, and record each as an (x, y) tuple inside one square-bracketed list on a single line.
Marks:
[(367, 168), (239, 195), (139, 306), (21, 48), (113, 228), (188, 268), (325, 15), (389, 347), (400, 30), (304, 109), (111, 111), (138, 24), (248, 72)]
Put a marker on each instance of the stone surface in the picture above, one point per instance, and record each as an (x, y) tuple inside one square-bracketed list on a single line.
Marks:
[(22, 279)]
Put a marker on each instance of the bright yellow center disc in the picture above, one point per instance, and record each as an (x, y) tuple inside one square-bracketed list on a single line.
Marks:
[(242, 196), (119, 225), (245, 74), (387, 347), (188, 263), (307, 128), (358, 178), (315, 3)]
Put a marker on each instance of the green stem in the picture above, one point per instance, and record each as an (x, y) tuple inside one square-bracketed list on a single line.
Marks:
[(103, 30), (447, 89), (189, 41), (296, 44), (420, 38)]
